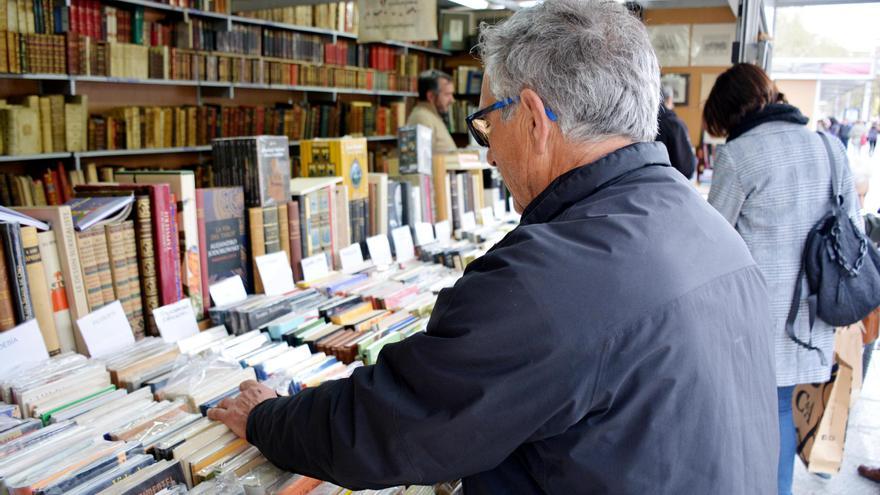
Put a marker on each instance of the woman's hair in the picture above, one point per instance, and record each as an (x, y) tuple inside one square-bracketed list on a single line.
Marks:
[(741, 90)]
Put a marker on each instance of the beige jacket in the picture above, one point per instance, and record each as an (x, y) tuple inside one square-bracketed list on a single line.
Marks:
[(425, 114)]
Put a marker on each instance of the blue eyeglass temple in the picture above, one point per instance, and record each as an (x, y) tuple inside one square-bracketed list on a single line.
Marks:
[(509, 101)]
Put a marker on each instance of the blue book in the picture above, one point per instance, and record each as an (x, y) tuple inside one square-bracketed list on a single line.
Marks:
[(91, 212), (283, 325)]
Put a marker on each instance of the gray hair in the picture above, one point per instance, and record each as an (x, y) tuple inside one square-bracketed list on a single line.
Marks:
[(666, 92), (591, 62)]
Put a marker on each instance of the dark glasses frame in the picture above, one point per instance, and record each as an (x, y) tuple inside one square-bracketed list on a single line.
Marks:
[(479, 135)]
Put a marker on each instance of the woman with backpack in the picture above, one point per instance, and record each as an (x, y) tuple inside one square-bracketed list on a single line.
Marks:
[(772, 182)]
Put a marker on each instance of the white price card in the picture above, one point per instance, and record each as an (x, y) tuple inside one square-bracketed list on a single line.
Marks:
[(351, 258), (380, 250), (315, 267), (275, 273), (487, 216), (468, 221), (499, 210), (403, 244), (228, 291), (424, 233), (22, 345), (176, 321), (105, 330), (443, 231)]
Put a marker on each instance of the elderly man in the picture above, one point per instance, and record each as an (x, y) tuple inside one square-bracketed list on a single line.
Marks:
[(673, 133), (583, 353)]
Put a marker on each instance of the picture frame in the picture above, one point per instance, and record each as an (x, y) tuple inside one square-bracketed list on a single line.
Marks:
[(455, 30), (681, 85), (671, 44)]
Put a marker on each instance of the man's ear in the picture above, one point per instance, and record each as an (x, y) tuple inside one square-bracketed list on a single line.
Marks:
[(537, 122)]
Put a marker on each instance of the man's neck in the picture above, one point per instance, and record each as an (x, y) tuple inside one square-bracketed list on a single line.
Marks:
[(573, 156)]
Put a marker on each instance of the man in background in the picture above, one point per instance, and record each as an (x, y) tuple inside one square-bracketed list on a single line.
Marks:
[(435, 98), (674, 134)]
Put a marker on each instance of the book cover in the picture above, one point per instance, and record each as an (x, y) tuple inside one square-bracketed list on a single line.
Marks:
[(222, 237), (415, 150), (102, 258), (89, 212), (39, 290), (15, 263), (57, 290), (61, 221), (115, 236), (273, 169), (7, 312), (146, 261), (344, 157)]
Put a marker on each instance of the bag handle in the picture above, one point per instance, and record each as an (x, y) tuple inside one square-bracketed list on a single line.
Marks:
[(836, 198), (812, 303)]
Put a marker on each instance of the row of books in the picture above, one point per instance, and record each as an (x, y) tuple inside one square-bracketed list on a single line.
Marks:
[(458, 113), (336, 16), (467, 79), (37, 53), (43, 124), (32, 16)]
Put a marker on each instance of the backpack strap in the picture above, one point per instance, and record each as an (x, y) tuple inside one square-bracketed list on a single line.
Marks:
[(812, 303), (836, 198)]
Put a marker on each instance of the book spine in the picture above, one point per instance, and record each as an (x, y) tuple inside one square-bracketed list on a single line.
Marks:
[(175, 252), (165, 244), (105, 274), (295, 234), (94, 292), (70, 262), (258, 246), (12, 247), (57, 284), (7, 313), (147, 260), (116, 260), (203, 250), (283, 230), (39, 291), (136, 317)]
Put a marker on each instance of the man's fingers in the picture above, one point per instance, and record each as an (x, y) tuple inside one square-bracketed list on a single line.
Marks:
[(225, 403), (217, 414), (247, 384)]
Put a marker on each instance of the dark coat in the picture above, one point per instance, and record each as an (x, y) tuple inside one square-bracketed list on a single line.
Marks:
[(673, 132), (617, 342)]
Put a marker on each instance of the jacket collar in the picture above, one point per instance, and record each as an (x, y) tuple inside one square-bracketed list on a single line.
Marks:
[(575, 185)]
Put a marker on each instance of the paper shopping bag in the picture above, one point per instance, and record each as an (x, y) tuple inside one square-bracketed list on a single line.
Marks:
[(821, 410)]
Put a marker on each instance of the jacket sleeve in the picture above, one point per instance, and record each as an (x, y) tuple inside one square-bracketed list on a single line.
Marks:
[(454, 401), (727, 194)]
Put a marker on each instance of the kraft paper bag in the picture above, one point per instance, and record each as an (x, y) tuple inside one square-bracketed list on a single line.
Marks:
[(821, 410)]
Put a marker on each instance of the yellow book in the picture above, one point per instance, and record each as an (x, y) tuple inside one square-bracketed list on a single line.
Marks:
[(46, 124), (352, 315), (39, 289), (344, 157)]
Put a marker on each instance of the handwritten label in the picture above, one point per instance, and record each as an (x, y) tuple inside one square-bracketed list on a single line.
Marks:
[(22, 345), (424, 233), (468, 221), (380, 250), (443, 231), (228, 291), (176, 321), (275, 273), (315, 267), (105, 330), (351, 258), (487, 216), (403, 244)]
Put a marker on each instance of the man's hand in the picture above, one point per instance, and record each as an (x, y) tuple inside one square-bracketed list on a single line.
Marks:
[(233, 412)]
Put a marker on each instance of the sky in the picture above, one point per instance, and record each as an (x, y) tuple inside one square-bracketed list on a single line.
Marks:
[(855, 25)]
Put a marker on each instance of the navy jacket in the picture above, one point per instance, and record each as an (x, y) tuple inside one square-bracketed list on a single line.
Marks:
[(617, 342), (673, 132)]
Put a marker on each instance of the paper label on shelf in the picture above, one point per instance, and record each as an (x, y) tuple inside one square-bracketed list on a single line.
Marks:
[(228, 291), (498, 209), (443, 231), (275, 273), (106, 330), (468, 221), (176, 321), (403, 244), (380, 250), (424, 233), (351, 258), (22, 345), (487, 216), (315, 267)]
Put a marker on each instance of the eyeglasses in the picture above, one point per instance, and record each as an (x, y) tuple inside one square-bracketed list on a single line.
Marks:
[(478, 125)]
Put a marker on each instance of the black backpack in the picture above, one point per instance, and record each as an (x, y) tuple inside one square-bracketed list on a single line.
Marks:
[(842, 268)]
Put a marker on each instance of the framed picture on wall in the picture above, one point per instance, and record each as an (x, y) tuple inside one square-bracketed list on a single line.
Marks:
[(680, 84), (456, 30), (712, 45), (671, 44)]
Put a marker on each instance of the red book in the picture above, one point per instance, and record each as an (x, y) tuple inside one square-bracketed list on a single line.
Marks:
[(175, 251), (49, 184), (63, 183), (72, 20), (165, 239)]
